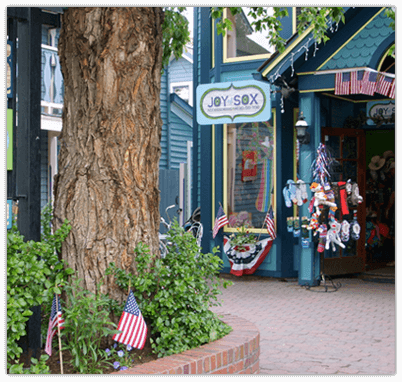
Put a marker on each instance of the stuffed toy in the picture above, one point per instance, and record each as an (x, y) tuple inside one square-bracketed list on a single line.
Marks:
[(320, 198), (352, 189), (333, 235)]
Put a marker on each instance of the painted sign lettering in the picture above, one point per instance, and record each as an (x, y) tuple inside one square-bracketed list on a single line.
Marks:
[(242, 101)]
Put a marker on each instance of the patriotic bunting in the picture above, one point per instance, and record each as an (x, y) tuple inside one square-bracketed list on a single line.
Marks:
[(364, 82), (247, 260)]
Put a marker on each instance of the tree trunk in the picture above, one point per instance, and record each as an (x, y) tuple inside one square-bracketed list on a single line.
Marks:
[(107, 185)]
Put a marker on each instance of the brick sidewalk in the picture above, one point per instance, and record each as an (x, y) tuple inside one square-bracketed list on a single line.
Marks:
[(349, 331)]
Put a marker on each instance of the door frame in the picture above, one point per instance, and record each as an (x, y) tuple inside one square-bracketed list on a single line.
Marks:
[(351, 264)]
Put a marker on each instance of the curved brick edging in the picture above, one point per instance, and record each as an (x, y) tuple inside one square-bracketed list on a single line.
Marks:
[(236, 353)]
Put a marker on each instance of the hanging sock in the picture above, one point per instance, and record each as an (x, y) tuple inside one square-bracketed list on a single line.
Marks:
[(301, 192), (289, 193), (323, 237), (343, 198)]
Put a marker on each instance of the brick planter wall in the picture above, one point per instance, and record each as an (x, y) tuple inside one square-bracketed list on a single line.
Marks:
[(236, 353)]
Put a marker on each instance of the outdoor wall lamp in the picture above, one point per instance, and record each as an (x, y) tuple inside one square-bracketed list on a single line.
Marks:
[(301, 130)]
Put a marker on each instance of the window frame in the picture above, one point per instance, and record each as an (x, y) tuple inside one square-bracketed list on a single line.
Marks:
[(227, 59)]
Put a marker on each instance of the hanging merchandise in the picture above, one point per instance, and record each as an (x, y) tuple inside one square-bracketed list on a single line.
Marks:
[(301, 192), (333, 235), (296, 227), (355, 228), (321, 198), (322, 230), (289, 223), (343, 198), (354, 198), (345, 231), (289, 193), (295, 193), (321, 165), (305, 235)]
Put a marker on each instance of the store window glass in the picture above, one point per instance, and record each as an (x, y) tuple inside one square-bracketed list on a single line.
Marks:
[(243, 42), (250, 174)]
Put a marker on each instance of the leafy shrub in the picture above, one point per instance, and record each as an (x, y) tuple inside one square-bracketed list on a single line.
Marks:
[(33, 271), (174, 294), (86, 325)]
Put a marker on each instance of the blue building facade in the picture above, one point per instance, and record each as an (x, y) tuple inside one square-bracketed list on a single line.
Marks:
[(353, 126)]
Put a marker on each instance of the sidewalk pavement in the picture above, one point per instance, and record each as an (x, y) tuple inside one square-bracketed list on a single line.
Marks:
[(347, 331)]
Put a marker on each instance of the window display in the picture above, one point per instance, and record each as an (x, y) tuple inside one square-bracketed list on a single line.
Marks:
[(250, 174)]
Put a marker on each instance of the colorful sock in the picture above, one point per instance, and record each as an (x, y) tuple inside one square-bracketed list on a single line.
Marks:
[(323, 236), (343, 198)]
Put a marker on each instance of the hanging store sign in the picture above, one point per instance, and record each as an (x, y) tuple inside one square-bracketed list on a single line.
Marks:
[(233, 102), (10, 65), (380, 109)]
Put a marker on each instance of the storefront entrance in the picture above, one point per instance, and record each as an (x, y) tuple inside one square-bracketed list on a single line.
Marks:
[(364, 157), (347, 149)]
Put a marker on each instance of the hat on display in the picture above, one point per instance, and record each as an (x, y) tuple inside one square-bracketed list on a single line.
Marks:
[(388, 154), (376, 163)]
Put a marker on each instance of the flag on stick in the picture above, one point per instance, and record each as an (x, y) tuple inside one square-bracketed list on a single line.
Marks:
[(220, 221), (56, 322), (269, 220), (132, 325)]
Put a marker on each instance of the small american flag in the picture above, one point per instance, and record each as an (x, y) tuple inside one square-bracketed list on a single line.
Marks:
[(132, 325), (384, 84), (369, 83), (356, 78), (55, 320), (220, 221), (342, 83), (269, 220)]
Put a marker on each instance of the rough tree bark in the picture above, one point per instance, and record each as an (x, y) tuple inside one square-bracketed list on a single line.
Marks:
[(107, 185)]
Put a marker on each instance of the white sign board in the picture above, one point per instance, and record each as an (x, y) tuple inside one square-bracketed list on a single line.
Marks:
[(233, 102)]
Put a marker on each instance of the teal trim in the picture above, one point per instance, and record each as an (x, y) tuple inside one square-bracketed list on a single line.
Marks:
[(309, 265)]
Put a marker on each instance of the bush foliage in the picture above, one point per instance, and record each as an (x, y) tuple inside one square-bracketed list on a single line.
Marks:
[(34, 274), (174, 294)]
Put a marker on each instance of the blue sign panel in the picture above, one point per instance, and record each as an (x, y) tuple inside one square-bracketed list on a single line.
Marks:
[(233, 102), (10, 66)]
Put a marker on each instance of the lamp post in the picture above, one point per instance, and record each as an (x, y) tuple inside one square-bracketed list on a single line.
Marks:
[(301, 130)]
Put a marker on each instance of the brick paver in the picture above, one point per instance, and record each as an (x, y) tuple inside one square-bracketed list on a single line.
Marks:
[(349, 331)]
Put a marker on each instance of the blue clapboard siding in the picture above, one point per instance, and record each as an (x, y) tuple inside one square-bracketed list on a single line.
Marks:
[(176, 129)]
